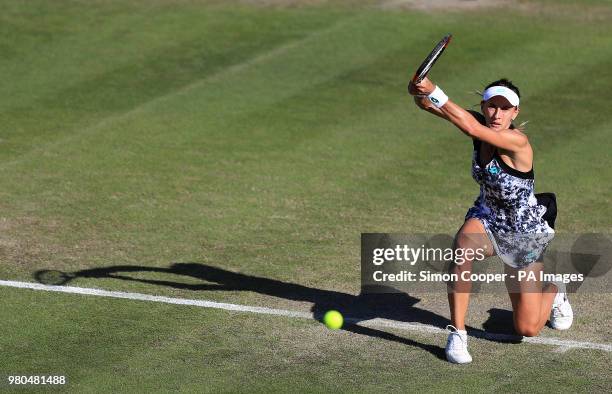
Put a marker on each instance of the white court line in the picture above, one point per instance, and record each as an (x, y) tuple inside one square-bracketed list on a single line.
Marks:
[(563, 345)]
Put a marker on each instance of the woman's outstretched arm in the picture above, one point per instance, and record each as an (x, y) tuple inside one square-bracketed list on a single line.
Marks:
[(424, 103), (509, 139)]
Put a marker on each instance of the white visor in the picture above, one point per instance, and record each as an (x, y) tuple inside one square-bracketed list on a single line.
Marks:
[(503, 91)]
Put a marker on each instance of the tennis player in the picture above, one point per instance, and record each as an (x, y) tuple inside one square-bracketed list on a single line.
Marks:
[(506, 219)]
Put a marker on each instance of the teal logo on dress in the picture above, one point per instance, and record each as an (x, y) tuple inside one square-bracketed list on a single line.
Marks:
[(494, 170)]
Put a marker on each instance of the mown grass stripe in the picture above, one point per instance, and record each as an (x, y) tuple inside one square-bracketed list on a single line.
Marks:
[(115, 118)]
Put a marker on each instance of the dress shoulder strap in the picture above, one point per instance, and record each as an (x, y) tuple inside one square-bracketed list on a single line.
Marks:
[(481, 119)]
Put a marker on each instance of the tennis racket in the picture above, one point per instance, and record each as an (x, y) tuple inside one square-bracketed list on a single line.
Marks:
[(431, 59)]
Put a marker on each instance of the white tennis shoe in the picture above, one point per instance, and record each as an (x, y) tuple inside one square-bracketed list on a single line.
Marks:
[(561, 315), (456, 346)]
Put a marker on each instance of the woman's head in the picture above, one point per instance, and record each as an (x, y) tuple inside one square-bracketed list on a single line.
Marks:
[(500, 104)]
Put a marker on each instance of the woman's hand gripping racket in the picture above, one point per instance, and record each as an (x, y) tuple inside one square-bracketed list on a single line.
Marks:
[(428, 63)]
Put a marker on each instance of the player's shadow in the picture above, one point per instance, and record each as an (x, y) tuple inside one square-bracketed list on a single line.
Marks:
[(397, 306), (499, 322)]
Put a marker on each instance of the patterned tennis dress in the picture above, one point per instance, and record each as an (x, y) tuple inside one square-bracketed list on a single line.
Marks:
[(509, 211)]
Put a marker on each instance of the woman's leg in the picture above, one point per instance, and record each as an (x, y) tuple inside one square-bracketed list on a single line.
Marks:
[(531, 301), (471, 236)]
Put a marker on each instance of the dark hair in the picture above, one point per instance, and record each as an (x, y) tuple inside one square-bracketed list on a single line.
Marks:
[(507, 83)]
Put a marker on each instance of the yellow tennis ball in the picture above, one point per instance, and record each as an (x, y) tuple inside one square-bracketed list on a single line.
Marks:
[(333, 320)]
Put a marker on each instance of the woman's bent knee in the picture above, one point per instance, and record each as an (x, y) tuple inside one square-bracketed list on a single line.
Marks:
[(527, 330)]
